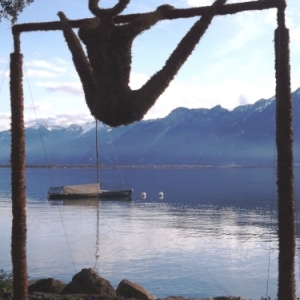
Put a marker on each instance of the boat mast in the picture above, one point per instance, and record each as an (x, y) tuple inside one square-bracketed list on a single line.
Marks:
[(97, 152)]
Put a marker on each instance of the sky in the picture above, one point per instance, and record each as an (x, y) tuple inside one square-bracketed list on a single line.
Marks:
[(232, 65)]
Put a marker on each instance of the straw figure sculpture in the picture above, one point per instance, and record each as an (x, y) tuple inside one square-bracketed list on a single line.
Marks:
[(104, 74)]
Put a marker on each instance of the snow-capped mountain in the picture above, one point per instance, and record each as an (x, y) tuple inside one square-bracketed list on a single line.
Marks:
[(244, 136)]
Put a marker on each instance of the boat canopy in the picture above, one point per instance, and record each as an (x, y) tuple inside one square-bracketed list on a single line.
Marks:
[(92, 188)]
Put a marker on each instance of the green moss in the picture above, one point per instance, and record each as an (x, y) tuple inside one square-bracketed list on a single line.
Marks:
[(5, 285)]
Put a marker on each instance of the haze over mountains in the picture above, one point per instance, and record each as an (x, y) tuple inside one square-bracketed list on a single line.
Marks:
[(214, 137)]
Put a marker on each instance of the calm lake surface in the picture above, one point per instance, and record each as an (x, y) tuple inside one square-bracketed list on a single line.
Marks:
[(213, 233)]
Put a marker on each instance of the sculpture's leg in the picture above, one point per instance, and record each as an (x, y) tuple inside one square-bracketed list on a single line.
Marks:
[(156, 85), (81, 63)]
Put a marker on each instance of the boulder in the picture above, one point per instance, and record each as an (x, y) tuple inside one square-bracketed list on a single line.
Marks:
[(128, 289), (229, 298), (209, 298), (172, 298), (87, 281), (182, 298), (48, 285)]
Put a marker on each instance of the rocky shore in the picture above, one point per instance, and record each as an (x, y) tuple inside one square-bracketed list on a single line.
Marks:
[(89, 285)]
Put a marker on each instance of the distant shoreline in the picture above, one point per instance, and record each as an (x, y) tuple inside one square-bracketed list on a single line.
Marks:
[(159, 167)]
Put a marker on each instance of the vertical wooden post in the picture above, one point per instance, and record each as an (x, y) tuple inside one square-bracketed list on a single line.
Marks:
[(285, 172), (18, 188)]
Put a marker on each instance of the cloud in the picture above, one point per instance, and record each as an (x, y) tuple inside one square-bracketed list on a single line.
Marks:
[(4, 74), (39, 106), (39, 68), (77, 118), (195, 3), (61, 61), (63, 120), (295, 40), (3, 60), (74, 88), (137, 80), (4, 70), (243, 100), (270, 17), (32, 73), (249, 26), (4, 121), (45, 65), (229, 94)]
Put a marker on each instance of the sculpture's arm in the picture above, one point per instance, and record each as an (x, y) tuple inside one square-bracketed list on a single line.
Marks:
[(80, 60)]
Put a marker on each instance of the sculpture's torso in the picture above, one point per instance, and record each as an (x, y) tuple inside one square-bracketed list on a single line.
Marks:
[(109, 53)]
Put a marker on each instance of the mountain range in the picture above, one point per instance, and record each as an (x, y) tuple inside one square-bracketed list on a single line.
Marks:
[(211, 137)]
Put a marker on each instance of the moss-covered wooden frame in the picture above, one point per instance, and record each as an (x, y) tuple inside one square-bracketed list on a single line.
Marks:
[(284, 140)]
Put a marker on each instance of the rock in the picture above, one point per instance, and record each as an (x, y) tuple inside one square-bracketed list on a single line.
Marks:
[(216, 298), (229, 298), (172, 298), (209, 298), (182, 298), (87, 281), (48, 285), (128, 289)]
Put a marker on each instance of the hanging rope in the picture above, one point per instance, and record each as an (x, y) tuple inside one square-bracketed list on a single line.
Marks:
[(40, 133), (2, 81), (97, 239), (49, 172), (97, 152), (271, 209), (116, 158)]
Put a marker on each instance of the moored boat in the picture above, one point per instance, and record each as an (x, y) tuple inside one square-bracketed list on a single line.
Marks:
[(91, 190), (87, 191)]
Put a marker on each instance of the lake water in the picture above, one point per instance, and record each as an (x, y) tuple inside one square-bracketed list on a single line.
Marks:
[(213, 233)]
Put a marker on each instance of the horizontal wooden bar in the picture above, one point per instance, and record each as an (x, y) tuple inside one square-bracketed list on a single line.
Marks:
[(172, 14)]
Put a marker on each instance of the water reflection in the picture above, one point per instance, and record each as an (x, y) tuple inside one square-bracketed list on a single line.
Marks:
[(77, 202), (206, 237)]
